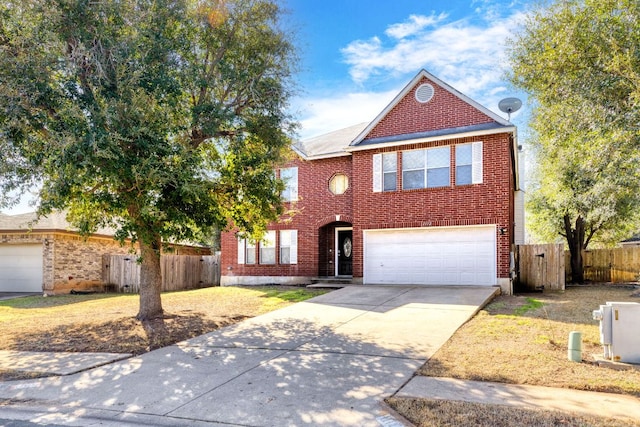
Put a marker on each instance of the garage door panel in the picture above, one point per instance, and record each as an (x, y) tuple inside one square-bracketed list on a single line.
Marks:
[(21, 268), (449, 256)]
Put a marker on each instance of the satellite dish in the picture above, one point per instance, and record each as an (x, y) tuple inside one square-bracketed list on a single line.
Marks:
[(509, 105)]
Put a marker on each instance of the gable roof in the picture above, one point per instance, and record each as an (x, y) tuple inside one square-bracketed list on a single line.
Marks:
[(478, 120), (330, 144), (55, 221), (493, 121)]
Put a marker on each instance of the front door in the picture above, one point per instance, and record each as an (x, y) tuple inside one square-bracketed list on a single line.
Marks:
[(344, 252)]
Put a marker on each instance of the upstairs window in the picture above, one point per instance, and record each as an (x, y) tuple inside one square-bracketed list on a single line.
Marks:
[(338, 184), (290, 178), (469, 163), (426, 168), (389, 171), (385, 171)]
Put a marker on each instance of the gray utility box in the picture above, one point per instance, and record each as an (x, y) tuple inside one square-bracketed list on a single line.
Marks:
[(619, 323)]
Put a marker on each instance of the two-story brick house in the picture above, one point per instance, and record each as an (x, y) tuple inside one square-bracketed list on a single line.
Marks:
[(426, 193)]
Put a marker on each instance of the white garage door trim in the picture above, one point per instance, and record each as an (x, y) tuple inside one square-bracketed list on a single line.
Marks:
[(21, 267), (431, 256)]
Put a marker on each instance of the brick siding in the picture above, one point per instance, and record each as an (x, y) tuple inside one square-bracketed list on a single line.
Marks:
[(320, 212), (316, 207), (488, 203), (444, 111)]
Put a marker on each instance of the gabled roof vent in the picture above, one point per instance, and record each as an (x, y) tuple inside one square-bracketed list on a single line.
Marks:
[(424, 93)]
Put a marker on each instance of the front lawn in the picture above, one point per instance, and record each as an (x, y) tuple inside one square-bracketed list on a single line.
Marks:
[(106, 322), (523, 340)]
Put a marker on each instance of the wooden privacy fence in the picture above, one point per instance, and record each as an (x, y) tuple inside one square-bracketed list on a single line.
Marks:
[(539, 267), (179, 272), (609, 265)]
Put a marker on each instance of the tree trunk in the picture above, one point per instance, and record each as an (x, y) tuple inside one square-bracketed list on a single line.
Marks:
[(150, 279), (575, 240)]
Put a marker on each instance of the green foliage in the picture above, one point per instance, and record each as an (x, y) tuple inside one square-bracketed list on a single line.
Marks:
[(531, 305), (580, 63), (297, 295), (39, 301), (149, 115), (164, 119)]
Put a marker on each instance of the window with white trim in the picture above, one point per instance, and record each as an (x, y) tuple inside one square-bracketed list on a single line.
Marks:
[(385, 171), (338, 184), (246, 251), (389, 171), (288, 246), (426, 168), (268, 248), (290, 178), (469, 163)]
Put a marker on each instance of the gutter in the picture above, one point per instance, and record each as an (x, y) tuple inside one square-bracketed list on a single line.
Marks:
[(470, 134)]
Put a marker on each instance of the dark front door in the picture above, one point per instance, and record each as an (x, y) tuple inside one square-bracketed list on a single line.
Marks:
[(345, 252)]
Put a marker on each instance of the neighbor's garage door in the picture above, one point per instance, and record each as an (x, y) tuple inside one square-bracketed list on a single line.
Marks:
[(21, 268), (431, 256)]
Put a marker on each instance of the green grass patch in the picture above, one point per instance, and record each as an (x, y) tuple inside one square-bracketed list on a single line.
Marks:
[(39, 301), (531, 305), (297, 295)]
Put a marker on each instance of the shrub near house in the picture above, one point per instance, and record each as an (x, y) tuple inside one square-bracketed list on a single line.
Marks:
[(426, 193)]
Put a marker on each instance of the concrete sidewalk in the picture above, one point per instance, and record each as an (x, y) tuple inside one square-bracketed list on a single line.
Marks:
[(59, 363), (525, 396), (326, 362)]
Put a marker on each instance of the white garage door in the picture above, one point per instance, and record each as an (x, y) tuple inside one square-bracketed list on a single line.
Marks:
[(21, 268), (431, 256)]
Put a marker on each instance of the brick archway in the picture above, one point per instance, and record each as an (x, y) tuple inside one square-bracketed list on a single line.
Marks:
[(334, 218), (327, 255)]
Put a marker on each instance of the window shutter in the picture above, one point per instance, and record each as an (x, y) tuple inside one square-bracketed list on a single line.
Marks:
[(293, 249), (241, 250), (476, 163), (377, 173)]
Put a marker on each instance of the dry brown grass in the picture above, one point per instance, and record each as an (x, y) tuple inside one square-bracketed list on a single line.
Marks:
[(523, 340), (518, 340), (442, 413), (106, 322)]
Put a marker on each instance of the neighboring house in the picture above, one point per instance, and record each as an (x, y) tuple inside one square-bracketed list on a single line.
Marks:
[(427, 193), (631, 242), (49, 257)]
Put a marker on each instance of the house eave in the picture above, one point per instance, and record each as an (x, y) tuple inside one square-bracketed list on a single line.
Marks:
[(419, 140), (43, 231), (304, 156)]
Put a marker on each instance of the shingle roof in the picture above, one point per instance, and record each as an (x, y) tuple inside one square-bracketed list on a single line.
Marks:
[(54, 221), (437, 133), (633, 239), (330, 144)]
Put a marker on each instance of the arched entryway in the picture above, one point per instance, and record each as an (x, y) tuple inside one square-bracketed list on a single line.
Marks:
[(335, 250)]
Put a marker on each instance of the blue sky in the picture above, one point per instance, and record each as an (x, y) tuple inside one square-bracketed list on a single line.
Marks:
[(356, 55)]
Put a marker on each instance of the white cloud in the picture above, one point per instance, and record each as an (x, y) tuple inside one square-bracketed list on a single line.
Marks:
[(468, 55), (414, 24), (324, 114)]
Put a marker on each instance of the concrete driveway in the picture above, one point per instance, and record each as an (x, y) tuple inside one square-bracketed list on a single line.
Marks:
[(326, 362), (12, 295)]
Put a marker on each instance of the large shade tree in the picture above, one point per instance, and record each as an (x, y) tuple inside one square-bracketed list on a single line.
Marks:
[(579, 61), (162, 118)]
